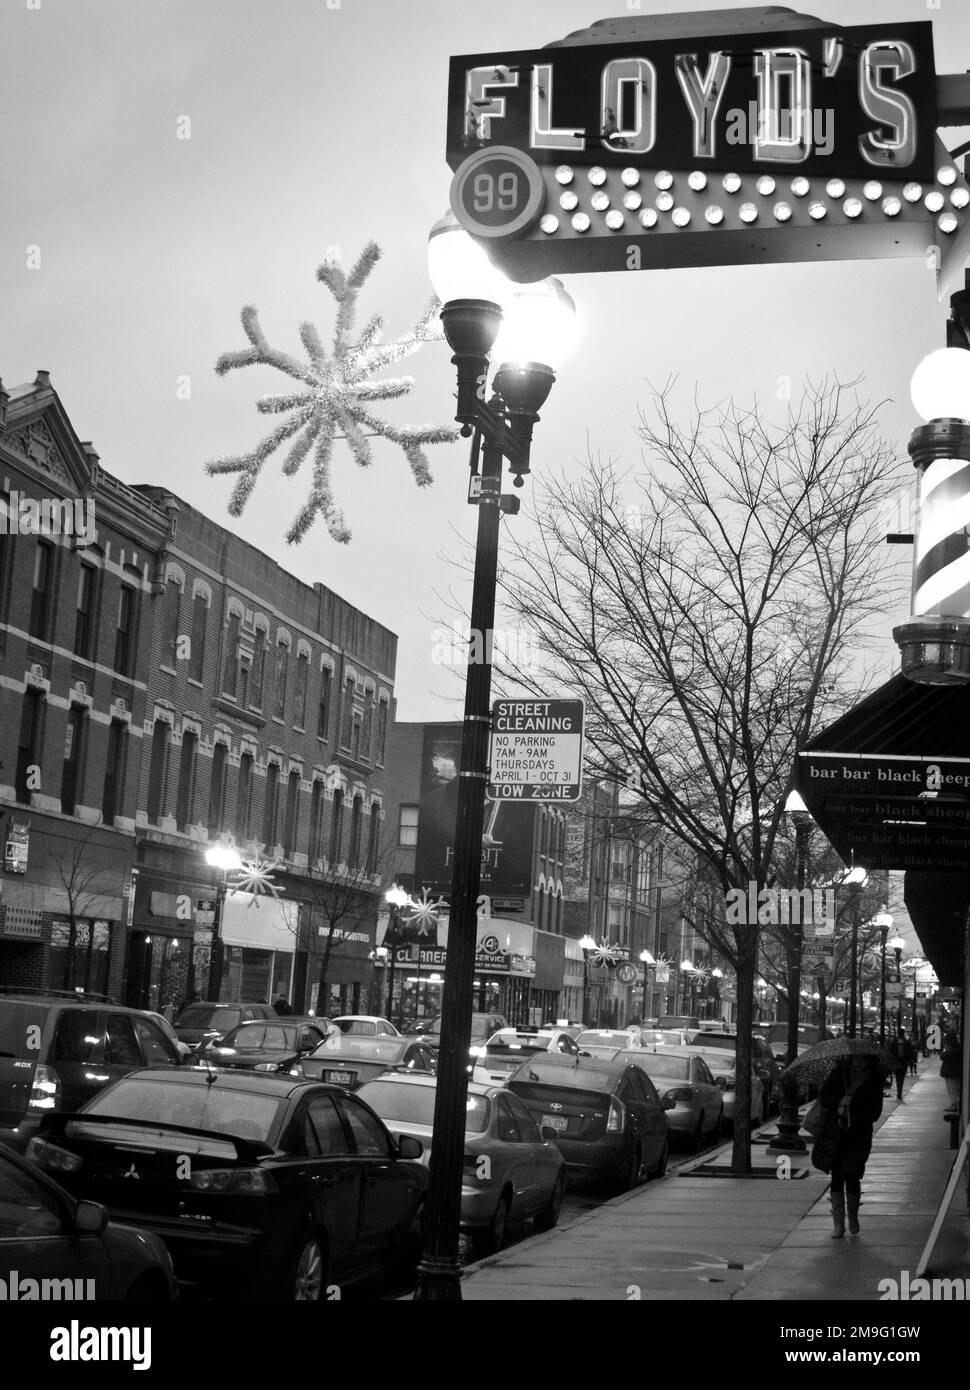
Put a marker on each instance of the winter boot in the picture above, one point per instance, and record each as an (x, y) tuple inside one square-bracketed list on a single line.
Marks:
[(838, 1215), (852, 1204)]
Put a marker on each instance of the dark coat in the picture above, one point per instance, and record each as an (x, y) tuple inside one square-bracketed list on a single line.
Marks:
[(846, 1140), (900, 1049), (951, 1059)]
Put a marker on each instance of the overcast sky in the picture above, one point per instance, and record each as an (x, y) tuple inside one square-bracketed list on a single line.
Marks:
[(312, 128)]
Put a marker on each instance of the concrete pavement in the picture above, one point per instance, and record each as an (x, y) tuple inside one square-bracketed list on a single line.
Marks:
[(690, 1237)]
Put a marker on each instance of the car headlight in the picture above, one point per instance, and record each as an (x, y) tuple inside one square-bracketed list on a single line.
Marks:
[(269, 1066)]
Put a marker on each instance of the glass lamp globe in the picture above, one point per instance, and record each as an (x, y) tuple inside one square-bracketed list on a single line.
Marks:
[(459, 267), (940, 388), (539, 325), (223, 857), (587, 943)]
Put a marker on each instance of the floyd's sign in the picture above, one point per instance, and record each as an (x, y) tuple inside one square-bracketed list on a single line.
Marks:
[(811, 142), (854, 101)]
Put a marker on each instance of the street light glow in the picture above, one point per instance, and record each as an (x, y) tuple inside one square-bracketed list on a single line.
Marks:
[(223, 857), (940, 388), (459, 267)]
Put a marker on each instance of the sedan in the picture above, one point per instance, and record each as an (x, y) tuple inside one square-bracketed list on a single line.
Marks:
[(610, 1123), (265, 1046), (54, 1247), (349, 1061), (724, 1070), (609, 1037), (686, 1080), (366, 1026), (507, 1049), (510, 1170), (262, 1187)]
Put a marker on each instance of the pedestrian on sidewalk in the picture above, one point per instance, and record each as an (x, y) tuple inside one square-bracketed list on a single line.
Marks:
[(912, 1056), (852, 1098), (899, 1050), (951, 1062)]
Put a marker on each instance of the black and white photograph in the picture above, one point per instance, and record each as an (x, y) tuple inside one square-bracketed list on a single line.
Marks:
[(484, 607)]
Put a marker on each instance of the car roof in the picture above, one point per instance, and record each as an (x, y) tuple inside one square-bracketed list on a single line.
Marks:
[(401, 1078), (226, 1079)]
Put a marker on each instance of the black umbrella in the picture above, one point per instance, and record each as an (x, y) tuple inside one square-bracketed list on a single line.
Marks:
[(815, 1063)]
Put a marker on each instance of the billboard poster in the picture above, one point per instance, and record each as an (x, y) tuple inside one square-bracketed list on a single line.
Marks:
[(508, 832)]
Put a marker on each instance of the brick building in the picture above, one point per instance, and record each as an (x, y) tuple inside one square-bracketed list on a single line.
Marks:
[(166, 686)]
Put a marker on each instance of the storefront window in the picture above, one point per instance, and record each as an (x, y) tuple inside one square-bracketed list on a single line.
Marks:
[(86, 968), (255, 976)]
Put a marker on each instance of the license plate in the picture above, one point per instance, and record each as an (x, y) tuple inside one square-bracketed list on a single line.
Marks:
[(340, 1078), (557, 1122)]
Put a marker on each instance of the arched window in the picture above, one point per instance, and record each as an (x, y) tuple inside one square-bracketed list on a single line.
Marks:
[(282, 668), (337, 827), (158, 771), (356, 818), (244, 796), (185, 806), (270, 803), (200, 622), (291, 818), (217, 790), (373, 838)]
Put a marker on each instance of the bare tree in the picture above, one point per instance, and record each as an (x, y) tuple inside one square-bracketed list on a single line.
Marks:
[(86, 874), (711, 613)]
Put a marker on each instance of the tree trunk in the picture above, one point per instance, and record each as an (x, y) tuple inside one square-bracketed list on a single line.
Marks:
[(747, 956)]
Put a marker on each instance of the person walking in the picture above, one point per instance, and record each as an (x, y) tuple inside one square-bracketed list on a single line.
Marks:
[(951, 1061), (899, 1050), (851, 1097), (912, 1056)]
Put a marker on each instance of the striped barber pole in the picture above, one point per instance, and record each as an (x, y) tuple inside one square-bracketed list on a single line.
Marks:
[(941, 577)]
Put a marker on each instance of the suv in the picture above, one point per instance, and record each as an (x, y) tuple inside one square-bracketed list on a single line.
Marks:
[(58, 1048), (483, 1026), (763, 1061), (199, 1023)]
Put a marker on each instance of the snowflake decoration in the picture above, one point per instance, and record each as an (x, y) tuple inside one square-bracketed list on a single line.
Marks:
[(336, 397), (604, 955), (424, 916), (256, 877)]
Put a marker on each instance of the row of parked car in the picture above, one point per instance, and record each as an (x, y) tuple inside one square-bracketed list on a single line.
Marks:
[(291, 1153)]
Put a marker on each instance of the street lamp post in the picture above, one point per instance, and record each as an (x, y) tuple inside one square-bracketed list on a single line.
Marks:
[(396, 898), (788, 1137), (223, 857), (897, 946), (586, 944), (648, 963), (534, 332), (883, 921), (855, 880)]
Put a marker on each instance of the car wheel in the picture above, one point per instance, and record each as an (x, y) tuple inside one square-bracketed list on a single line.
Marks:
[(549, 1215), (661, 1167), (490, 1240), (308, 1283), (631, 1176)]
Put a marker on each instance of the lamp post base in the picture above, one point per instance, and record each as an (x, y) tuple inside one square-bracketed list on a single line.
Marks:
[(788, 1139), (439, 1280)]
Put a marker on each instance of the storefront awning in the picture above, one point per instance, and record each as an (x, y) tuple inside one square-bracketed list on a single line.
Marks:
[(889, 785)]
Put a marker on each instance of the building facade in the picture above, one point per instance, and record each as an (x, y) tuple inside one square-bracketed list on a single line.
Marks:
[(167, 687)]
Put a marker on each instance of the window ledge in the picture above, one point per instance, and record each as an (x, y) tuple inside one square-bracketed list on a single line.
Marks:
[(231, 708)]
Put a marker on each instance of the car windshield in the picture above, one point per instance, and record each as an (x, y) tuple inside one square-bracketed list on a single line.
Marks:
[(208, 1016), (656, 1064), (358, 1027), (399, 1101), (715, 1040), (262, 1037), (233, 1111), (376, 1049)]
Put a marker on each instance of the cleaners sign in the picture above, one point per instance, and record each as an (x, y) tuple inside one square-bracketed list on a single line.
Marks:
[(536, 751)]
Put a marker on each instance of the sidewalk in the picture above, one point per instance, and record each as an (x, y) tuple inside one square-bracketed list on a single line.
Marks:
[(721, 1238)]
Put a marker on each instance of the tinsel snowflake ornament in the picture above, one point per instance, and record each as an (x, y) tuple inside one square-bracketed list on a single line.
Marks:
[(604, 955), (335, 401), (424, 916), (256, 877)]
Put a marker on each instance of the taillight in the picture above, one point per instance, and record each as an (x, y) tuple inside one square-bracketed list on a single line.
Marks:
[(52, 1158), (614, 1125), (681, 1093), (728, 1082), (46, 1089), (242, 1182)]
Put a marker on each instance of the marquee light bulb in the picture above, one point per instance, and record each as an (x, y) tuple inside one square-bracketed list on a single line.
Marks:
[(714, 214), (960, 197), (564, 174), (597, 175), (731, 183), (697, 180), (835, 188), (665, 201), (663, 179), (748, 212), (680, 217), (630, 177)]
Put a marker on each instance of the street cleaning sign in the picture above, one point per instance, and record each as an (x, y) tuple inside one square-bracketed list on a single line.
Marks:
[(536, 750)]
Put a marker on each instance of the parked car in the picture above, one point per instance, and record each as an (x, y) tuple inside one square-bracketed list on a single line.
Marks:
[(723, 1067), (170, 1033), (57, 1049), (667, 1037), (198, 1023), (265, 1046), (510, 1170), (610, 1123), (609, 1037), (290, 1186), (776, 1036), (366, 1026), (678, 1021), (685, 1079), (69, 1248), (765, 1063), (507, 1049), (348, 1060), (483, 1026)]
